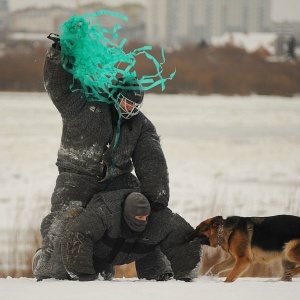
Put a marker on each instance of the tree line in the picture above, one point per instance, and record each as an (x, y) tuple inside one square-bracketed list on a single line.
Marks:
[(199, 70)]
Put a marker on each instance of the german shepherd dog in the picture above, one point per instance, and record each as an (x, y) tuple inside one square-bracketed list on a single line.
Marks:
[(253, 239)]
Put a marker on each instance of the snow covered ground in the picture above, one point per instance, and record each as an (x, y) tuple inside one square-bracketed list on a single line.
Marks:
[(129, 289), (226, 156)]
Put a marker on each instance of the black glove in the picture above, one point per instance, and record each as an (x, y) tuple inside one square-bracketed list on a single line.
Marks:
[(155, 206), (56, 39), (165, 277)]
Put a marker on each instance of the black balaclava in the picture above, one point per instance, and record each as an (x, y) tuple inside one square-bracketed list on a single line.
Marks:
[(136, 204)]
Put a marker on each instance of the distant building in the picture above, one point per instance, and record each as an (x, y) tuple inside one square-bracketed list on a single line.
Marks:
[(178, 22), (175, 22), (170, 23), (4, 19), (287, 29), (36, 20), (46, 20), (27, 40), (133, 29)]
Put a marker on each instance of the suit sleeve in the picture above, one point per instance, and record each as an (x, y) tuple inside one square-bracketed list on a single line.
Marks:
[(183, 254), (57, 83), (151, 166)]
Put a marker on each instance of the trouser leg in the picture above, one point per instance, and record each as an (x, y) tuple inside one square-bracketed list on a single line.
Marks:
[(77, 245), (154, 266), (50, 263), (185, 260), (183, 254), (71, 191)]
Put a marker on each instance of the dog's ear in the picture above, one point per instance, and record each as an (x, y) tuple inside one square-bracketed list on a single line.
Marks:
[(204, 226), (217, 221)]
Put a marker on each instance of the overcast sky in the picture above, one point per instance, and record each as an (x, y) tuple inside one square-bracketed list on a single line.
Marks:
[(282, 10)]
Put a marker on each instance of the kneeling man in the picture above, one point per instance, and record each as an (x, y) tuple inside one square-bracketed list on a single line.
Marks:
[(111, 231)]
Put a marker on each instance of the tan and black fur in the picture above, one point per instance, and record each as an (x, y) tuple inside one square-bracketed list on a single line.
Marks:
[(253, 239)]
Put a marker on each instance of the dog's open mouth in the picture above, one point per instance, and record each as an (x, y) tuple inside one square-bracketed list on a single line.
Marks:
[(204, 240)]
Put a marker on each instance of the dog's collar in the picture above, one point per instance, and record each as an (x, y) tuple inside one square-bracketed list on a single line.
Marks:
[(220, 235)]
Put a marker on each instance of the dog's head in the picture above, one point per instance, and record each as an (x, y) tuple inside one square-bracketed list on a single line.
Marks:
[(208, 231)]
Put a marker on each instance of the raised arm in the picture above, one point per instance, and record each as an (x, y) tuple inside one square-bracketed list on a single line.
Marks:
[(57, 83)]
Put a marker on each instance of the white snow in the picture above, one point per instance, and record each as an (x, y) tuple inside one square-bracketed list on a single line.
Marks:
[(226, 155), (131, 289)]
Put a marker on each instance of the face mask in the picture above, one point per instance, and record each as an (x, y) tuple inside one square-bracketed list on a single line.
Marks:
[(134, 224), (128, 108), (136, 204)]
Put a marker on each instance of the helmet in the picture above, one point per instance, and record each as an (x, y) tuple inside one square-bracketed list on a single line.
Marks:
[(129, 100)]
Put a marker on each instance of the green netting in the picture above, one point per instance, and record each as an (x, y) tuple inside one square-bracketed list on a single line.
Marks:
[(95, 56)]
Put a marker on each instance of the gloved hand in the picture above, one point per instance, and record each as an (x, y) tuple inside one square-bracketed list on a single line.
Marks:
[(56, 39)]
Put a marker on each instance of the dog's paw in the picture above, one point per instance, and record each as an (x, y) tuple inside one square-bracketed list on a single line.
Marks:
[(210, 273), (230, 279), (213, 271), (286, 277)]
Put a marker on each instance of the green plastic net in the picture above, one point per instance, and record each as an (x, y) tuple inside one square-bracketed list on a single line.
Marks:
[(95, 56)]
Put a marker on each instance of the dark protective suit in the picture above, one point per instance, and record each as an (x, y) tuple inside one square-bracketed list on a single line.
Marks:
[(97, 236), (87, 162), (86, 152)]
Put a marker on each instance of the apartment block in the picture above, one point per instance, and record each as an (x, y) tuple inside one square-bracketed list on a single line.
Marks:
[(177, 22)]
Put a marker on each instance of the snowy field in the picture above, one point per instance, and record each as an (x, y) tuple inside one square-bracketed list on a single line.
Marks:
[(226, 156), (129, 289)]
